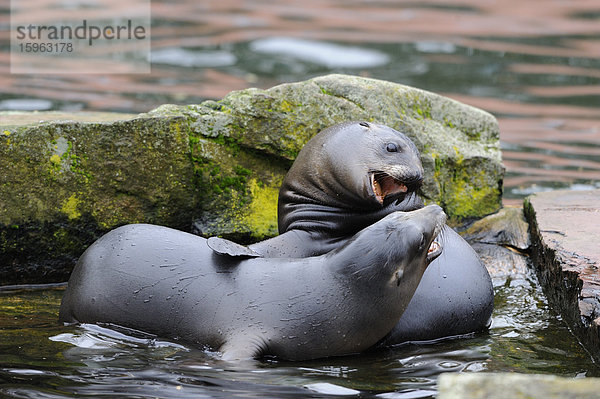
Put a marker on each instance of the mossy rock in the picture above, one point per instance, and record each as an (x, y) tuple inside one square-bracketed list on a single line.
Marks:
[(66, 182), (459, 144), (214, 167)]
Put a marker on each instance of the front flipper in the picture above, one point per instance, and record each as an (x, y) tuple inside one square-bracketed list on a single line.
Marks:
[(229, 248), (240, 349)]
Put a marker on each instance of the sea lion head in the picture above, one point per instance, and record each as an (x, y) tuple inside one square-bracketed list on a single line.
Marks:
[(350, 168), (394, 166), (418, 232), (393, 253)]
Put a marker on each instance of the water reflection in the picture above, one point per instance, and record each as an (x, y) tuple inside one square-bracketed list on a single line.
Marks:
[(189, 58), (329, 55)]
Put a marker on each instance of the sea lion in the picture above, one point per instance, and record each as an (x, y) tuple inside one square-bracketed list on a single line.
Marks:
[(351, 175), (343, 180), (170, 283)]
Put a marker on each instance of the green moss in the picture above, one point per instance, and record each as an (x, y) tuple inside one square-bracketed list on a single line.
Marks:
[(55, 160), (459, 156), (74, 163), (438, 167), (194, 140), (253, 221), (262, 211), (241, 171), (70, 206), (287, 106), (230, 142), (239, 185), (474, 135), (423, 113), (77, 168), (212, 178), (326, 92), (462, 193), (55, 166), (470, 195), (225, 108), (421, 108), (449, 123)]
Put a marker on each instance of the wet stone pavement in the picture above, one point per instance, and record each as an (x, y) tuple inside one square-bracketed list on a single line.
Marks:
[(565, 226)]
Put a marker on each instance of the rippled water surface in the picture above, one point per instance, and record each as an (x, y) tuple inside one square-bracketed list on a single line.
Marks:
[(534, 65), (42, 359)]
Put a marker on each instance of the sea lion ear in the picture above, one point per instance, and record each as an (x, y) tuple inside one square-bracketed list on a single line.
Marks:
[(225, 247)]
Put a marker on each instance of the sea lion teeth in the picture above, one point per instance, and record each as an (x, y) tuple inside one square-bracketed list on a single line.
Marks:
[(377, 191), (435, 246), (433, 251), (384, 185)]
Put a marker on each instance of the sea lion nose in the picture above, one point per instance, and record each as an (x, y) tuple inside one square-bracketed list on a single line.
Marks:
[(435, 208), (414, 179), (434, 211)]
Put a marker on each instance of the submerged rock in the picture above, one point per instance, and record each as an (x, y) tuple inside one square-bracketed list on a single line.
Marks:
[(506, 227), (565, 226), (502, 241), (503, 264), (214, 167)]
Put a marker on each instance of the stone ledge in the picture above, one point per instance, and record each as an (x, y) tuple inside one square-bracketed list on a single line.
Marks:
[(564, 227), (515, 386), (20, 118)]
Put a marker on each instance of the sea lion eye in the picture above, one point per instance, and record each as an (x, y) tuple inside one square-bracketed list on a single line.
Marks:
[(391, 147)]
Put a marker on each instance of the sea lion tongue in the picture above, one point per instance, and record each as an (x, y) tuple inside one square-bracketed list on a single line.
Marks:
[(384, 185)]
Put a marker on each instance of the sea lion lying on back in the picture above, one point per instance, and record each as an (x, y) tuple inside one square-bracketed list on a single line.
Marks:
[(351, 175), (170, 283)]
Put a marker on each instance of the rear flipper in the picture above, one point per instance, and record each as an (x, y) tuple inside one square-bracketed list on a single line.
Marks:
[(240, 348)]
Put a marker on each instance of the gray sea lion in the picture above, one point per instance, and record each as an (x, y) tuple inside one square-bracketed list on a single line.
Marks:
[(170, 283), (345, 178), (351, 175)]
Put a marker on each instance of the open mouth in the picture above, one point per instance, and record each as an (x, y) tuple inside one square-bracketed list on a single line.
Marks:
[(435, 249), (384, 185)]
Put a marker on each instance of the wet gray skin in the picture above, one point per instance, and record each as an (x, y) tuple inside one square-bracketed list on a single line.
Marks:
[(353, 174), (170, 283)]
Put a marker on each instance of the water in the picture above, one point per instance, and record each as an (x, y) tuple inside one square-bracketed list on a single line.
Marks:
[(535, 66), (42, 359)]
